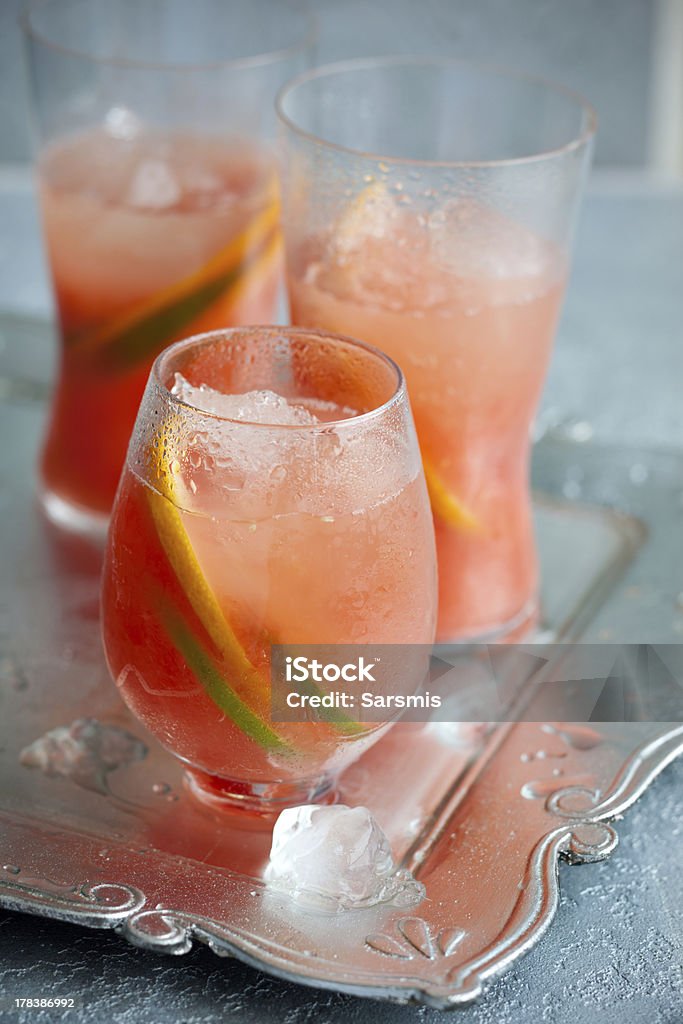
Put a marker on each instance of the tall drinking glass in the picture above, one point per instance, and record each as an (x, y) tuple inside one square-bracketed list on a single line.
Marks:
[(273, 494), (428, 209), (159, 201)]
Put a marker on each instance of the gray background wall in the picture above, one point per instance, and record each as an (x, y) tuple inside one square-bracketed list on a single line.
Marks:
[(604, 48)]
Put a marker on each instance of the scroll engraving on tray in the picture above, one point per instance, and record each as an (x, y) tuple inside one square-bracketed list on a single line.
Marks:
[(173, 931), (103, 904)]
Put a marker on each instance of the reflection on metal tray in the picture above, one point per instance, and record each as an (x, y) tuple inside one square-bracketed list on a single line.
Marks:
[(122, 845)]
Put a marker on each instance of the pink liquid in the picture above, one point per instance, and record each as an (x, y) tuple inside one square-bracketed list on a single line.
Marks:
[(134, 228), (336, 552), (467, 304)]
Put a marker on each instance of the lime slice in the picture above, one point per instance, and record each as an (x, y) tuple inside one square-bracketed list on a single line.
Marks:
[(248, 683), (212, 681), (247, 687), (145, 329)]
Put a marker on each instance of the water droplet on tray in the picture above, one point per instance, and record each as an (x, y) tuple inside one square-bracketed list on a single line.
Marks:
[(638, 473)]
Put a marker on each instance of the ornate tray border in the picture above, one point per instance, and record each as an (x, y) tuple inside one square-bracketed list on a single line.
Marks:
[(404, 957)]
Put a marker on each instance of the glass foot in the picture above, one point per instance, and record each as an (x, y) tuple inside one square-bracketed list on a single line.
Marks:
[(519, 629), (260, 799), (74, 518)]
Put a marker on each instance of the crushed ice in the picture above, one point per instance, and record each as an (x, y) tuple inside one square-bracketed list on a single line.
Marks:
[(337, 858), (265, 407), (153, 186), (121, 123)]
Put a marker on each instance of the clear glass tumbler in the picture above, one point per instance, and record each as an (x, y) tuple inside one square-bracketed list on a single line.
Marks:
[(159, 202), (273, 494), (428, 209)]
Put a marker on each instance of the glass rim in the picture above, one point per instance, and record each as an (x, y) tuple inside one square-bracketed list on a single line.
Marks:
[(267, 57), (398, 395), (579, 140)]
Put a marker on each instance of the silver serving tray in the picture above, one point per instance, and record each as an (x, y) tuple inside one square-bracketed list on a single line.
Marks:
[(118, 843)]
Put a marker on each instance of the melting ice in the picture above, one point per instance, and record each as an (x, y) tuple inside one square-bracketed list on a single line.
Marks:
[(337, 858)]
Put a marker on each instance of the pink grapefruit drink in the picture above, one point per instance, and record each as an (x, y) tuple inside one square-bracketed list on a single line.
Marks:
[(148, 240), (472, 329), (155, 124), (248, 517), (428, 208)]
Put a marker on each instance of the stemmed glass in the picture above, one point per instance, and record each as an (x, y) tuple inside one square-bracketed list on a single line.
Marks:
[(273, 494)]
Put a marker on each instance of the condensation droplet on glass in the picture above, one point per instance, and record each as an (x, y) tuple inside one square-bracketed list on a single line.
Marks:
[(161, 788), (11, 869), (278, 473)]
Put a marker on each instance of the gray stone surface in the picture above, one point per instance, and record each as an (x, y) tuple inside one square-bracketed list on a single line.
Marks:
[(614, 955)]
